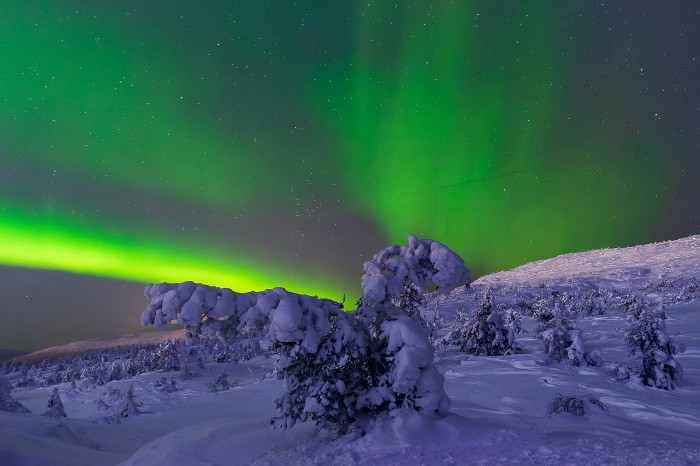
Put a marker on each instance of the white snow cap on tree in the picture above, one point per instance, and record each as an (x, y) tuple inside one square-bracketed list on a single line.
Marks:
[(422, 261)]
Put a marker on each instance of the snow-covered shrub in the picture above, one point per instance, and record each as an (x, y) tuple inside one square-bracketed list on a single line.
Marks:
[(513, 321), (647, 337), (114, 395), (111, 419), (566, 404), (7, 403), (26, 381), (573, 405), (247, 346), (220, 352), (55, 405), (621, 372), (164, 384), (485, 332), (688, 293), (101, 405), (593, 357), (185, 370), (221, 380), (562, 341)]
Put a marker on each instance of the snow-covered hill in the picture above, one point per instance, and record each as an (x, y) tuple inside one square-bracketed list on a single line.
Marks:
[(54, 353), (667, 272), (499, 403), (668, 261)]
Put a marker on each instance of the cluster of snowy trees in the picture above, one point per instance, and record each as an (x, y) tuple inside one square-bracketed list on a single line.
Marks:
[(97, 368), (591, 297), (337, 366), (490, 331), (9, 404), (486, 332)]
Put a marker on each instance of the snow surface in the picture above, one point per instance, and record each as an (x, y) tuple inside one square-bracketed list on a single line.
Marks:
[(498, 403)]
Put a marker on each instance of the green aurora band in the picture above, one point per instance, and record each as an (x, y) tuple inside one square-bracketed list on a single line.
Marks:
[(461, 122)]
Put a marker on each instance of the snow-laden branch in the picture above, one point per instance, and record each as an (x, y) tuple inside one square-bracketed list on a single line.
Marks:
[(209, 310), (421, 262)]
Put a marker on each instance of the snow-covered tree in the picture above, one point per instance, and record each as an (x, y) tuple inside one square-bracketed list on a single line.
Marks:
[(485, 332), (513, 321), (168, 357), (324, 375), (55, 405), (186, 371), (131, 408), (403, 371), (647, 337), (7, 402), (222, 380), (562, 341), (399, 345)]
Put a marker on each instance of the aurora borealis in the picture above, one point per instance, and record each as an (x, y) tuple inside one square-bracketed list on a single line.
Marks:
[(261, 144)]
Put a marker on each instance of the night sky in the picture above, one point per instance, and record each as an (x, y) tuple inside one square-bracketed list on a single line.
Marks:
[(261, 144)]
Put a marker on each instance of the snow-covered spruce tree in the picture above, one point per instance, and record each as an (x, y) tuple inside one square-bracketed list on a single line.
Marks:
[(325, 376), (647, 337), (336, 365), (401, 354), (485, 332), (131, 408), (55, 405), (562, 341), (7, 402)]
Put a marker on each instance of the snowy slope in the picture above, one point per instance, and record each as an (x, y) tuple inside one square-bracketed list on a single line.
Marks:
[(669, 260), (499, 403), (667, 272), (54, 353)]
